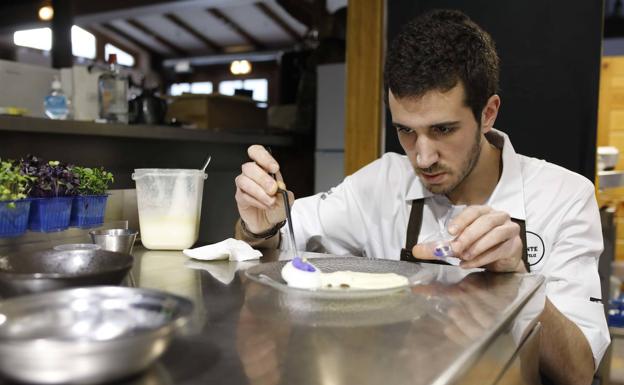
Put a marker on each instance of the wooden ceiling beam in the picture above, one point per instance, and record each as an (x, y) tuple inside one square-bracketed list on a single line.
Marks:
[(107, 36), (22, 14), (127, 36), (278, 20), (172, 47), (229, 22), (188, 28)]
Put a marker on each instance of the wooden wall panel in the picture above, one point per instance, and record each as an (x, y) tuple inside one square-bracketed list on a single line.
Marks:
[(363, 117)]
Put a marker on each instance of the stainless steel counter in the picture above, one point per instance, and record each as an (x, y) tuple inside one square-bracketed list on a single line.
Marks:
[(476, 328)]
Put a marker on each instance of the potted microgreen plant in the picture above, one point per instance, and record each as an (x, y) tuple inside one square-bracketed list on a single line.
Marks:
[(14, 205), (90, 203), (52, 191)]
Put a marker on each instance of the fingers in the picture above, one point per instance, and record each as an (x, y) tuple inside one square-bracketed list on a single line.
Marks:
[(423, 251), (259, 171), (250, 193), (263, 158), (484, 238), (506, 257), (473, 223), (466, 217), (254, 172), (481, 237)]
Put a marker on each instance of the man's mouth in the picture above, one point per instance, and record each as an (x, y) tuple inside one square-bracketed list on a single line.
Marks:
[(432, 177)]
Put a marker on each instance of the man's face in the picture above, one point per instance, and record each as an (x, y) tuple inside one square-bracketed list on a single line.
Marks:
[(439, 135)]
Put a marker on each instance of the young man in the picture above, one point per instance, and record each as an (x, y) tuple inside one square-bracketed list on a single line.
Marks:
[(462, 176)]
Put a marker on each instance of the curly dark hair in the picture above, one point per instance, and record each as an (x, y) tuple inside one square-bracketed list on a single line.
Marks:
[(438, 49)]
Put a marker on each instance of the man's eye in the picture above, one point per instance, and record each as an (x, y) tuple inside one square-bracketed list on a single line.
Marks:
[(443, 130), (404, 130)]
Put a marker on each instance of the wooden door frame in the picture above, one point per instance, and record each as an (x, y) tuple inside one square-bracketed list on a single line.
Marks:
[(364, 112)]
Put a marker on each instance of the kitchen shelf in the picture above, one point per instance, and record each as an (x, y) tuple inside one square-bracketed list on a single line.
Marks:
[(75, 127)]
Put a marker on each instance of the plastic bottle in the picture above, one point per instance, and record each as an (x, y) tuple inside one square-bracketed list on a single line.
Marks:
[(113, 93), (56, 104)]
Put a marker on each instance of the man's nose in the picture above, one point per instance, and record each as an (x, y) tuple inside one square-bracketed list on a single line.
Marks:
[(426, 155)]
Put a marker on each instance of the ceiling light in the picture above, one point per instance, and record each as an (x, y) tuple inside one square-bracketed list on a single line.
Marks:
[(46, 13), (183, 66), (240, 67)]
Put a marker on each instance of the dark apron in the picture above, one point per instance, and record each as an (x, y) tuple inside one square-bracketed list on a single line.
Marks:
[(413, 231)]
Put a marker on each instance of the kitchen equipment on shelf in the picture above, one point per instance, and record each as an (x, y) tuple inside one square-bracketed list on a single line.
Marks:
[(30, 272), (87, 335), (169, 203), (147, 108), (607, 157)]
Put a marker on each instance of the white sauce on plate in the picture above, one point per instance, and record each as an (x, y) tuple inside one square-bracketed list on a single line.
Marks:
[(340, 280)]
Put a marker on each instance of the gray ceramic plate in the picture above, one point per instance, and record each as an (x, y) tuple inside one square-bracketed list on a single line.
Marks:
[(270, 274), (345, 307)]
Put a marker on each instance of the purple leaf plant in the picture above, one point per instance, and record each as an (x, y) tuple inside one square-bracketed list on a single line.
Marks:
[(52, 178)]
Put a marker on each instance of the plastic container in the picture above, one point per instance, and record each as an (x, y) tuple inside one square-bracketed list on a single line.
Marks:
[(56, 104), (49, 214), (88, 210), (14, 220), (169, 203)]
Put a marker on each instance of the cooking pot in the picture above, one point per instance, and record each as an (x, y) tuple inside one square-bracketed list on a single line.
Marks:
[(31, 272)]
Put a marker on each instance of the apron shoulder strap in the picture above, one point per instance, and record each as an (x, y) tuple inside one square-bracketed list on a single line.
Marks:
[(415, 223), (413, 231)]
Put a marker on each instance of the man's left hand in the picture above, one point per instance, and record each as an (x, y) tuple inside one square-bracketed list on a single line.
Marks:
[(484, 238)]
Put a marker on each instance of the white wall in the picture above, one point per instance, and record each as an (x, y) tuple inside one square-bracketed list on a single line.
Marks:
[(330, 108)]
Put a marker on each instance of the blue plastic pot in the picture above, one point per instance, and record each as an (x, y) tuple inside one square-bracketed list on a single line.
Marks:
[(14, 217), (50, 214), (88, 210)]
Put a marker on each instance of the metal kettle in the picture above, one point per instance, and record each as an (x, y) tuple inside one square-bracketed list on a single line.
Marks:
[(147, 108)]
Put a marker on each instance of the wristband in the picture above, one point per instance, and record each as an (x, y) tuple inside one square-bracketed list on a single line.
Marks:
[(263, 235)]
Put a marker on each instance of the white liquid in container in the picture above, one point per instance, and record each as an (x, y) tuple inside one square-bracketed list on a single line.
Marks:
[(169, 203), (169, 232)]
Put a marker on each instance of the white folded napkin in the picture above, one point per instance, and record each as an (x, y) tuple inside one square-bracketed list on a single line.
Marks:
[(230, 249)]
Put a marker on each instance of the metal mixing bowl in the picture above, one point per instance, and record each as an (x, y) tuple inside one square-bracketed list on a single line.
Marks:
[(38, 271), (87, 335)]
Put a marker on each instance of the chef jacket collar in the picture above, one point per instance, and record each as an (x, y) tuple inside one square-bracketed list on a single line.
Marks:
[(508, 194)]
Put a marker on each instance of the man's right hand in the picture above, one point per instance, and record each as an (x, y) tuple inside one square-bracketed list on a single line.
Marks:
[(259, 205)]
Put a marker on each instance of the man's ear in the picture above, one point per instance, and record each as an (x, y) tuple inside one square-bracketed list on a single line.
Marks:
[(490, 112)]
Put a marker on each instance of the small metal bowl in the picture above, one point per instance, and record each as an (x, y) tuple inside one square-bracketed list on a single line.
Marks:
[(119, 240), (38, 271), (87, 335)]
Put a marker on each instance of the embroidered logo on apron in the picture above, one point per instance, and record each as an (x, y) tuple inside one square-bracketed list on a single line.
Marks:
[(535, 248)]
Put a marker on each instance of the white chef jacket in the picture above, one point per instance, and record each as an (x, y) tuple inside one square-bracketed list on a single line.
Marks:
[(368, 213)]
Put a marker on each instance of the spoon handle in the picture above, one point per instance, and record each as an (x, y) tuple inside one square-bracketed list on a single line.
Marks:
[(206, 164), (291, 232)]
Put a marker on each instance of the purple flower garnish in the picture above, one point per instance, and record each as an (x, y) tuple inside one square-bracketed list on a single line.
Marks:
[(302, 265), (442, 251)]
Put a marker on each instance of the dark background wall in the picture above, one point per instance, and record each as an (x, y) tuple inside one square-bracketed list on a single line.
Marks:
[(550, 62)]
